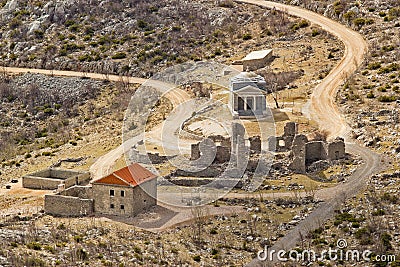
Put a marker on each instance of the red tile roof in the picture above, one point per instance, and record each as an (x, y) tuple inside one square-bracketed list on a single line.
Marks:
[(131, 175)]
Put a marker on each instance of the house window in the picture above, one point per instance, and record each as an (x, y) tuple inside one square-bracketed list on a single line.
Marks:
[(111, 206), (122, 193), (112, 192), (122, 207)]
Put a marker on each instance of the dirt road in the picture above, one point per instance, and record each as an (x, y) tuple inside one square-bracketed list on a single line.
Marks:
[(324, 111)]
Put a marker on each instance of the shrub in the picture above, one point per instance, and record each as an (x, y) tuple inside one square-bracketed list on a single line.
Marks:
[(338, 7), (374, 65), (386, 238), (394, 12), (226, 3), (387, 48), (349, 15), (82, 254), (385, 98), (304, 24), (247, 36), (359, 22), (197, 258), (49, 248), (15, 22), (371, 95), (48, 110), (345, 216), (119, 55), (69, 23), (34, 246), (390, 68), (32, 261), (85, 57), (39, 34), (314, 33), (74, 27), (379, 212), (142, 24)]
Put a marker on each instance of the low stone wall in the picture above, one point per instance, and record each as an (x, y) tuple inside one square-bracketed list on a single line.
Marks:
[(33, 182), (49, 179), (149, 158), (67, 206), (220, 183)]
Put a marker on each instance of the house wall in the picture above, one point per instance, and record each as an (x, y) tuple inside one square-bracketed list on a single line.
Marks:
[(336, 150), (67, 206), (315, 151)]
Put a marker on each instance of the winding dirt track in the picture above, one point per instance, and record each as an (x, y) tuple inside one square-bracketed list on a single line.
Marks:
[(324, 111)]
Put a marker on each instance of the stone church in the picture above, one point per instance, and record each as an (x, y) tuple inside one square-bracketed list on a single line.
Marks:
[(248, 95)]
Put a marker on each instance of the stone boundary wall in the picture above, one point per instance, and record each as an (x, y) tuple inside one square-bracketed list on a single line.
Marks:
[(67, 206), (34, 182), (149, 158), (204, 181), (49, 179)]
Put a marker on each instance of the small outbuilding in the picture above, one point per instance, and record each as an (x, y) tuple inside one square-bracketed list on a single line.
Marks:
[(257, 60)]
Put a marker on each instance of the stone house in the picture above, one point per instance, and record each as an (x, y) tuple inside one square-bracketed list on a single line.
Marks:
[(127, 191)]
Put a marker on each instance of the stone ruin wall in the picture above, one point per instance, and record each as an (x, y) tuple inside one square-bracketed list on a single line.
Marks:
[(304, 152)]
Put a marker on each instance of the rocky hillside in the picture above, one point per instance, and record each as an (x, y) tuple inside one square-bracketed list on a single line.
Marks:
[(131, 36)]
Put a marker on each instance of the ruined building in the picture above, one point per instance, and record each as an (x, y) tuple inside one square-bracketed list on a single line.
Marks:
[(304, 152)]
